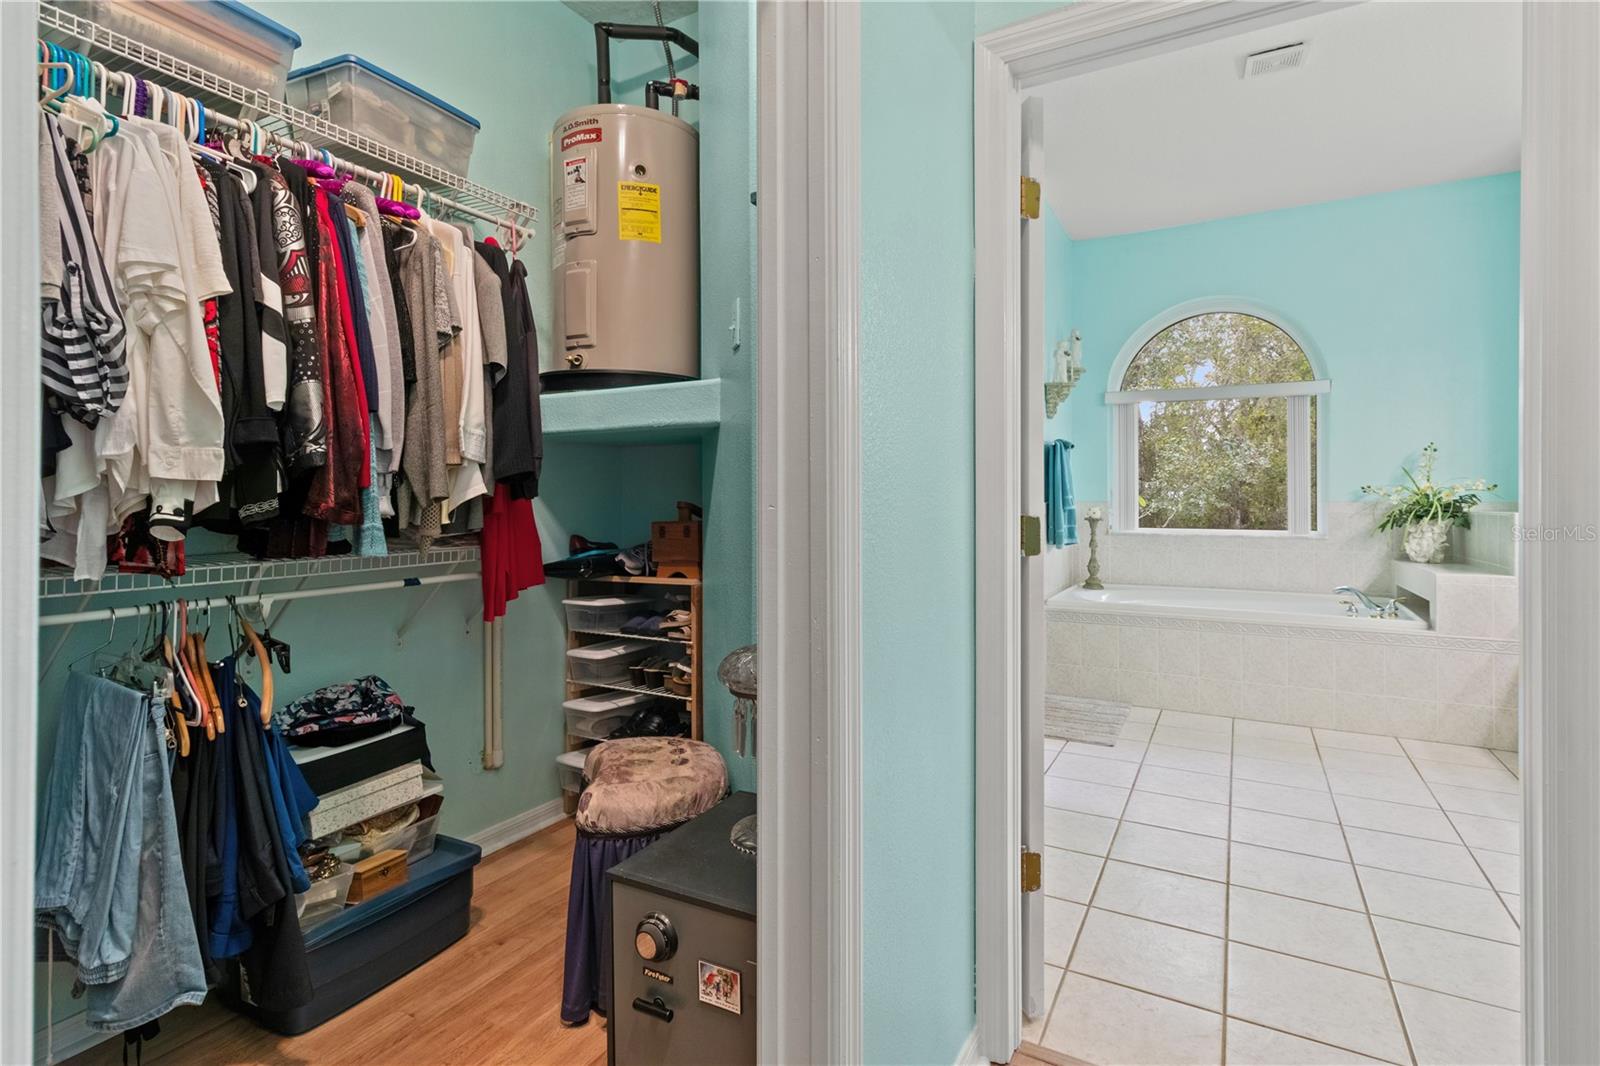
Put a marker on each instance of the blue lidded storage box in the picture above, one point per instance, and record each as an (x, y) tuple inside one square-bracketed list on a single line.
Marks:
[(373, 944), (351, 92)]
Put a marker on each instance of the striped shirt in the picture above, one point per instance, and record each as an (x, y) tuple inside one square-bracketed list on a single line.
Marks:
[(83, 366)]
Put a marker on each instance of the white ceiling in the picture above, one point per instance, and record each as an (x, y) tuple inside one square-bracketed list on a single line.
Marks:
[(1391, 95)]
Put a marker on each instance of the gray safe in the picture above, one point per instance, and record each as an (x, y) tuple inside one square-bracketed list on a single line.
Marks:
[(683, 914)]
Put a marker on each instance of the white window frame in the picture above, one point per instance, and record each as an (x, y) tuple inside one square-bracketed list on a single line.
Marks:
[(1124, 404)]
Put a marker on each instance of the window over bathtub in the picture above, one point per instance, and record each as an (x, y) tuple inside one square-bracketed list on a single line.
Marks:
[(1215, 424)]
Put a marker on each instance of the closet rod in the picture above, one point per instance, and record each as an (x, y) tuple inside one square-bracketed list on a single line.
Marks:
[(105, 613)]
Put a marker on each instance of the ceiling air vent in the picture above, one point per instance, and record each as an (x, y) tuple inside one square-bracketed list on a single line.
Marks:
[(1275, 60)]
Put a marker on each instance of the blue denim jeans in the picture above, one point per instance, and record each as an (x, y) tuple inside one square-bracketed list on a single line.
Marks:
[(109, 878)]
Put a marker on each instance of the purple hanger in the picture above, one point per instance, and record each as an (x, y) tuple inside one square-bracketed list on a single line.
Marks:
[(317, 168), (397, 209)]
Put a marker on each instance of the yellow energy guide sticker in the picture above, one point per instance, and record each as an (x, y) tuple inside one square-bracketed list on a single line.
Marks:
[(638, 211)]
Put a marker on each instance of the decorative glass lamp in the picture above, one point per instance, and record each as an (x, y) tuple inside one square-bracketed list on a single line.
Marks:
[(738, 673)]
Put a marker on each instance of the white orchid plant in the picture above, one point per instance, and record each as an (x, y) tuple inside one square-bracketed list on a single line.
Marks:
[(1422, 499)]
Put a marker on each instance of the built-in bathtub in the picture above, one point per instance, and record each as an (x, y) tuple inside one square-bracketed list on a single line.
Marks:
[(1289, 657), (1253, 605)]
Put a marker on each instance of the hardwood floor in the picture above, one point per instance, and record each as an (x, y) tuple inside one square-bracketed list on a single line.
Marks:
[(493, 998)]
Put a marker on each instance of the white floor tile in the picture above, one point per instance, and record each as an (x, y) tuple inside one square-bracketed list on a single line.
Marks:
[(1409, 855), (1143, 714), (1052, 745), (1393, 788), (1078, 832), (1253, 1045), (1467, 966), (1488, 778), (1301, 876), (1168, 849), (1404, 818), (1185, 783), (1446, 1031), (1504, 871), (1103, 1023), (1335, 1006), (1199, 739), (1204, 762), (1099, 771), (1244, 727), (1163, 896), (1061, 921), (1136, 730), (1282, 799), (1369, 762), (1513, 904), (1505, 805), (1312, 931), (1070, 874), (1033, 1028), (1276, 750), (1124, 750), (1456, 753), (1085, 797), (1462, 908), (1493, 834), (1174, 812), (1159, 959), (1213, 723), (1288, 833), (1295, 775), (1334, 738), (1509, 760)]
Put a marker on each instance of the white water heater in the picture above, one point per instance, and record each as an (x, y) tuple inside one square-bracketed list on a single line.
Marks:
[(625, 233)]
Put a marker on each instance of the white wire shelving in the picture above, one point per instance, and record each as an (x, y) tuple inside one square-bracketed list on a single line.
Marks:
[(288, 124)]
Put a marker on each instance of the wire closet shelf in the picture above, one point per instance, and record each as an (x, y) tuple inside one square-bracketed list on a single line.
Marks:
[(289, 126)]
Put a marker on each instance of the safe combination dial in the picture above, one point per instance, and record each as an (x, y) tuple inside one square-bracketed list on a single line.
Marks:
[(655, 939)]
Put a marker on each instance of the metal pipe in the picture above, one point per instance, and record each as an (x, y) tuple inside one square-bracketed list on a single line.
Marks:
[(605, 32), (103, 614)]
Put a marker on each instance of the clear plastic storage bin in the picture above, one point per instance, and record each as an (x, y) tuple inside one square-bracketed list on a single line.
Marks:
[(351, 92), (606, 663), (569, 765), (223, 36), (325, 898), (603, 612), (424, 834)]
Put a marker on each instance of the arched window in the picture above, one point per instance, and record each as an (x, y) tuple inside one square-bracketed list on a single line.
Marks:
[(1215, 427)]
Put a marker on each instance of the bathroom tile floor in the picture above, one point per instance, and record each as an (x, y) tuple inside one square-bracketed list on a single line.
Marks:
[(1223, 890)]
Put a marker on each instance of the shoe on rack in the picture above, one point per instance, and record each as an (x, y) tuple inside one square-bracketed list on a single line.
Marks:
[(680, 679)]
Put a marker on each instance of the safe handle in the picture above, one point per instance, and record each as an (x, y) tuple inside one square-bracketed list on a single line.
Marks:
[(655, 1007)]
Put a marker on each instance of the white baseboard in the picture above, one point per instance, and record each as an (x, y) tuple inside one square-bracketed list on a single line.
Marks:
[(519, 827), (969, 1055)]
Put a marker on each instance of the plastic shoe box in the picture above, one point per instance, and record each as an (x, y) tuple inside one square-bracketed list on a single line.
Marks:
[(594, 717), (603, 612), (606, 663), (569, 764), (325, 898), (222, 36), (374, 944), (351, 92)]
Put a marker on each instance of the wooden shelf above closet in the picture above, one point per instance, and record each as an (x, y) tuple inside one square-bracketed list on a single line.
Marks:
[(677, 412)]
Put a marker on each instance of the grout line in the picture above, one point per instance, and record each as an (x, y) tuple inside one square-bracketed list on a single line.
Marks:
[(1372, 929), (1459, 996), (1309, 1039)]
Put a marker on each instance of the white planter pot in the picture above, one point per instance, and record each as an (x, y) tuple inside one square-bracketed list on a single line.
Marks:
[(1425, 542)]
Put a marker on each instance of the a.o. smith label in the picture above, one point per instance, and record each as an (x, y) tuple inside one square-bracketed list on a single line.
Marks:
[(657, 975)]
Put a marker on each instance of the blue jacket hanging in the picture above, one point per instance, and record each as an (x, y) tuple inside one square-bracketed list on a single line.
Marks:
[(1060, 509)]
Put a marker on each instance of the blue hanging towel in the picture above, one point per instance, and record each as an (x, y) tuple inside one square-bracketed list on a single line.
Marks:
[(1060, 509)]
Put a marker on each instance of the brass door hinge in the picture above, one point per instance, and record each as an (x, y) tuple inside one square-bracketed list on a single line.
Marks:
[(1030, 197), (1032, 871), (1031, 545)]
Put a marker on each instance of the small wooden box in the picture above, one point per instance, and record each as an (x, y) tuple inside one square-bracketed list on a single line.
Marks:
[(675, 546), (377, 874)]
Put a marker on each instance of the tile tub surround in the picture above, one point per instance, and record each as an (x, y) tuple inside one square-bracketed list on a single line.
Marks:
[(1223, 916), (1421, 685)]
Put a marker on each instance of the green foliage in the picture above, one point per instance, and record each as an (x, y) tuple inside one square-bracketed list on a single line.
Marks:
[(1421, 499), (1216, 464)]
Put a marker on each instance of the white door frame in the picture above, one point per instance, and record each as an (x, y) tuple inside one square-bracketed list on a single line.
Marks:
[(809, 745), (1560, 482)]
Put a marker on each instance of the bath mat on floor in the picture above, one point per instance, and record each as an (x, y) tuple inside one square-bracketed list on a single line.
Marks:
[(1090, 721)]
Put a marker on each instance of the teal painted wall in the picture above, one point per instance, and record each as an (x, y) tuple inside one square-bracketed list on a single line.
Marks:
[(1058, 308), (1411, 298), (916, 525)]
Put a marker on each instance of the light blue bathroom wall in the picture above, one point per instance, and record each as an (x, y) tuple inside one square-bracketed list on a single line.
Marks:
[(917, 530), (1411, 299), (1058, 322)]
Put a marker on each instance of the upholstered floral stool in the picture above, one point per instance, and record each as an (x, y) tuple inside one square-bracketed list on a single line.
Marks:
[(639, 789)]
